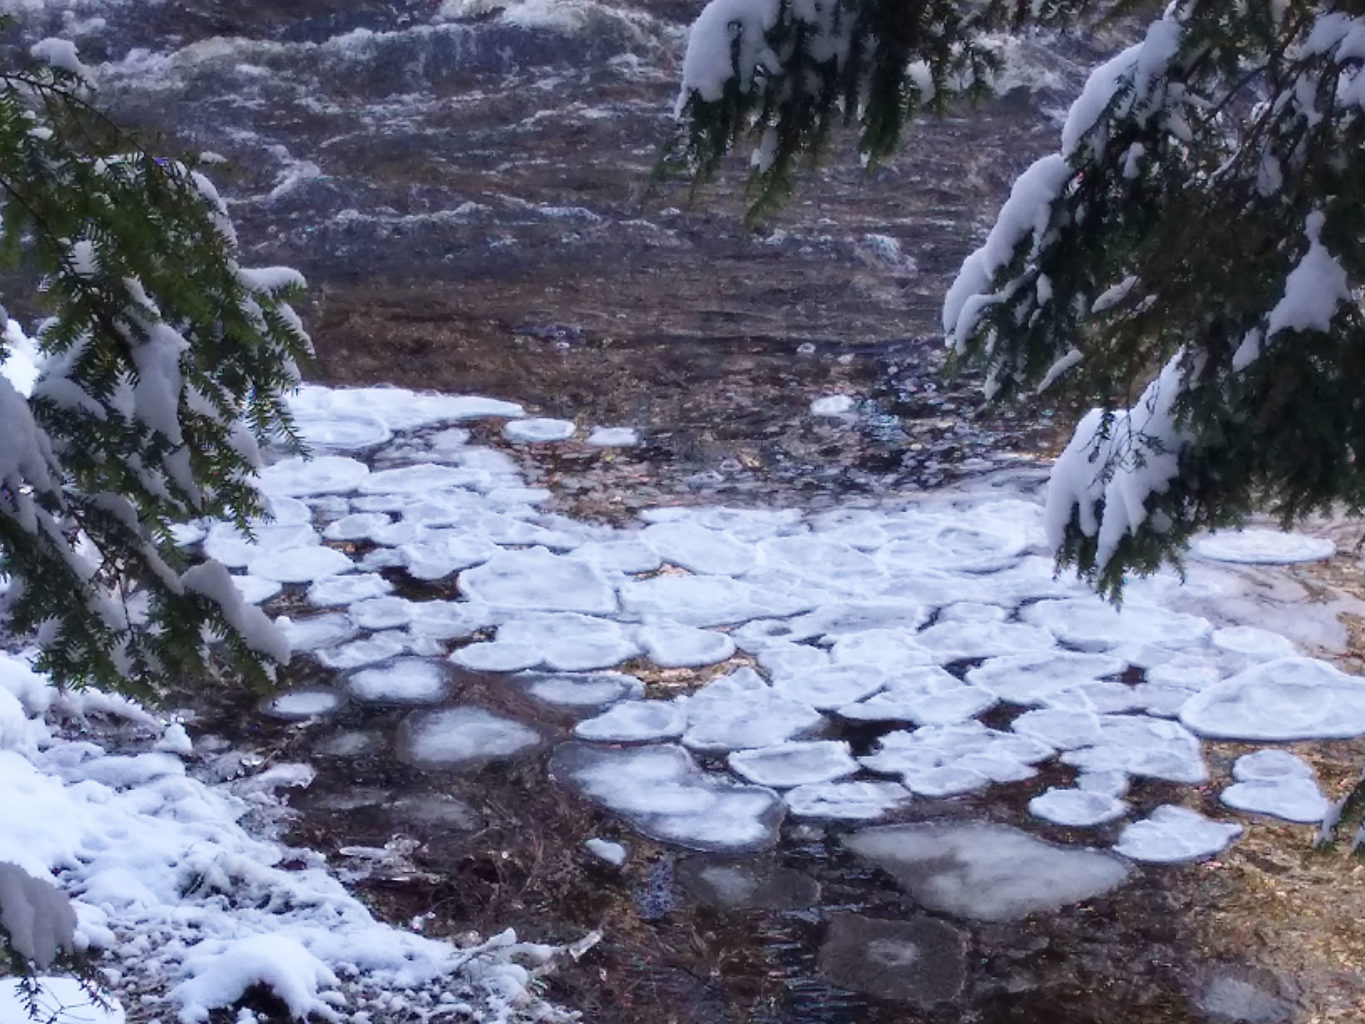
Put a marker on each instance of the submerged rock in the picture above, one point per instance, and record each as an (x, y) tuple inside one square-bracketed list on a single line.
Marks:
[(985, 871), (747, 885), (1241, 994), (462, 737), (921, 961)]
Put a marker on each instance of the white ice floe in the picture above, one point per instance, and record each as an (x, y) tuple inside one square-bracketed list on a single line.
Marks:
[(938, 761), (634, 721), (1172, 834), (1147, 747), (1063, 728), (1277, 783), (535, 579), (400, 681), (956, 641), (495, 656), (324, 474), (924, 696), (1077, 808), (985, 871), (397, 408), (315, 631), (613, 437), (830, 686), (699, 549), (1286, 699), (462, 737), (794, 764), (365, 651), (662, 793), (331, 591), (226, 544), (846, 801), (1032, 678), (1262, 547), (628, 555), (954, 544), (309, 702), (1090, 624), (833, 405), (840, 618), (388, 612), (448, 620), (255, 590), (436, 553), (570, 642), (539, 430), (422, 479), (300, 565), (579, 691), (887, 649), (672, 645), (709, 600), (1256, 644), (739, 711)]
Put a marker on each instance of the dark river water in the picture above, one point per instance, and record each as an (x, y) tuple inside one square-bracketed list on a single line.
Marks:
[(469, 191)]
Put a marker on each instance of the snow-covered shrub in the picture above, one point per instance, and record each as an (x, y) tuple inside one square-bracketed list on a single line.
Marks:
[(138, 403)]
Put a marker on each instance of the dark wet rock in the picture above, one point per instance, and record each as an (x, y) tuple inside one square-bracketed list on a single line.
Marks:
[(921, 960), (751, 885), (985, 871), (1242, 994)]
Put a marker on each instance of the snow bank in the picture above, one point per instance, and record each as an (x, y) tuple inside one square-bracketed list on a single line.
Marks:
[(153, 866)]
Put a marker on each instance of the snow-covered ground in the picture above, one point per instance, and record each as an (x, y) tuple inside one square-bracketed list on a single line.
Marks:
[(915, 618)]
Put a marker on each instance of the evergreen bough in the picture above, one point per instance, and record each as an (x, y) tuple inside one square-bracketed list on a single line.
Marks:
[(1201, 228), (162, 365)]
